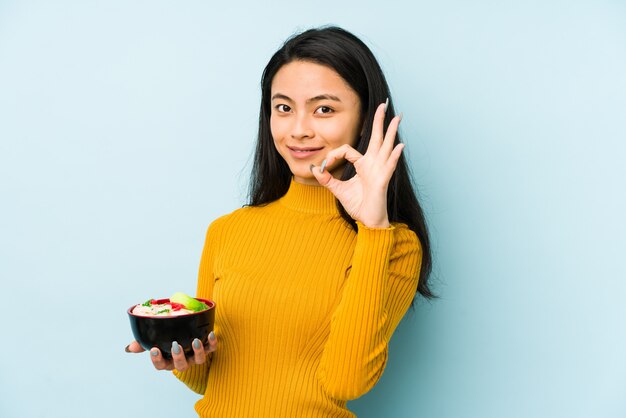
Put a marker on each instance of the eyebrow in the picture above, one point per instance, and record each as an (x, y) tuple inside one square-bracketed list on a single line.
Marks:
[(312, 99)]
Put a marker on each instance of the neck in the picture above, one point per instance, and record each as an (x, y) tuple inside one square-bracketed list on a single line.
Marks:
[(314, 199)]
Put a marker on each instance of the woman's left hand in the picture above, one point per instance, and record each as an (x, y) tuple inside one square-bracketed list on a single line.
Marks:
[(364, 196)]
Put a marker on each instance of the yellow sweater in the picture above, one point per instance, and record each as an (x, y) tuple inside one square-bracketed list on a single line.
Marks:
[(305, 307)]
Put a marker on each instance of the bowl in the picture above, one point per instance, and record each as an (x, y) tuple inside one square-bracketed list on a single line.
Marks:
[(161, 331)]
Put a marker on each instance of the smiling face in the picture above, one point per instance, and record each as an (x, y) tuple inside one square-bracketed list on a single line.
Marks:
[(314, 110)]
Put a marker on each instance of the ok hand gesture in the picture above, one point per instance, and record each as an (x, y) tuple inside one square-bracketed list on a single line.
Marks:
[(364, 196)]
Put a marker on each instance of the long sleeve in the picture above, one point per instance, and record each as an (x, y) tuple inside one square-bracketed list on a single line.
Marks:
[(305, 307), (379, 289), (195, 377)]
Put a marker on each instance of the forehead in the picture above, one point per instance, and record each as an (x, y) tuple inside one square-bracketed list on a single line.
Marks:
[(304, 79)]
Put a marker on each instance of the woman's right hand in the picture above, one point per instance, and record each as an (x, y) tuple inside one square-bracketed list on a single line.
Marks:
[(178, 361)]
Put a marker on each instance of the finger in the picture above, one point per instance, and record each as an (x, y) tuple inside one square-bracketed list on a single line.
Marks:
[(376, 139), (199, 355), (158, 361), (322, 173), (392, 162), (212, 342), (390, 137), (324, 178), (134, 347), (344, 152), (178, 356)]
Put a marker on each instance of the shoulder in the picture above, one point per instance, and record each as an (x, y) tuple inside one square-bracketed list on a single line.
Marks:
[(225, 220), (233, 219)]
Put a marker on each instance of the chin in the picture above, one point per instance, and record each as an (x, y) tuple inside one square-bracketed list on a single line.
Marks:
[(301, 170), (306, 177)]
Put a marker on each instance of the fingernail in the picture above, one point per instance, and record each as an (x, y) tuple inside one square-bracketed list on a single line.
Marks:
[(127, 348), (386, 104), (212, 336), (323, 166), (175, 348), (154, 352), (196, 344), (311, 168), (400, 116)]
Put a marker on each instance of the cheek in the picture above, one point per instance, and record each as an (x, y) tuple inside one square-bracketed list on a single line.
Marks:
[(277, 129), (278, 134), (355, 131), (339, 134)]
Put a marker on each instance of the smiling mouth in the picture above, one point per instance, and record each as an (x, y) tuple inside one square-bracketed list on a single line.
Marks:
[(303, 153), (304, 150)]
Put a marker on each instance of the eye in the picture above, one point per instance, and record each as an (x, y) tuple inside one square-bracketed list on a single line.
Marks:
[(324, 110), (282, 108)]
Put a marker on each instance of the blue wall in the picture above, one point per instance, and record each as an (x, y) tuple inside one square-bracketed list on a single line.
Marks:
[(127, 126)]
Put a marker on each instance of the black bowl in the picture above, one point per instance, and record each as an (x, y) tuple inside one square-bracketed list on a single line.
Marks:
[(160, 331)]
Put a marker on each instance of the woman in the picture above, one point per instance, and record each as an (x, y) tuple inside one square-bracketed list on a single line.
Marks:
[(313, 276)]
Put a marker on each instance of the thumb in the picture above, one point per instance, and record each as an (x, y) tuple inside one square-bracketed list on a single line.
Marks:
[(324, 178), (134, 347)]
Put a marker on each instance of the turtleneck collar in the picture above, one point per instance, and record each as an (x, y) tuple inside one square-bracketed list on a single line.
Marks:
[(309, 199)]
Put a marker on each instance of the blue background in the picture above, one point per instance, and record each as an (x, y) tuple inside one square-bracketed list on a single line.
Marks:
[(126, 127)]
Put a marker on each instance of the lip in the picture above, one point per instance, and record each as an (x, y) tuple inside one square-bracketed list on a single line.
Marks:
[(303, 152)]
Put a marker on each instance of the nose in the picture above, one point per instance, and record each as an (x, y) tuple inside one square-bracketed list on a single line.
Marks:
[(301, 128)]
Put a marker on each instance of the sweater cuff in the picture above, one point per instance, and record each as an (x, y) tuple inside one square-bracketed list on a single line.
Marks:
[(375, 237), (391, 227)]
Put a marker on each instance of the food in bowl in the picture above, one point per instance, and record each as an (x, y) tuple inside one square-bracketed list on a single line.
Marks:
[(177, 304), (180, 318)]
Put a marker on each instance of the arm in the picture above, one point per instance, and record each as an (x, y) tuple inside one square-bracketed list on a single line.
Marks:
[(380, 287), (195, 377)]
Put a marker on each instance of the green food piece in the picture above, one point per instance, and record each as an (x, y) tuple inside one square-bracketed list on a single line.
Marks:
[(189, 302), (147, 303), (162, 311)]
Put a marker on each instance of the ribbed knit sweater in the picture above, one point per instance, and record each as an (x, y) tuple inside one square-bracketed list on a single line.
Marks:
[(305, 307)]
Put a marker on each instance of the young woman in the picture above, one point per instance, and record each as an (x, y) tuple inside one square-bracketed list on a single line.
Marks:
[(313, 276)]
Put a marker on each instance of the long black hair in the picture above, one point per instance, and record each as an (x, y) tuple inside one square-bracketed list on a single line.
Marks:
[(347, 55)]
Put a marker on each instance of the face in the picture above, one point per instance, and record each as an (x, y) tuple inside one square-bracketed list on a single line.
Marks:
[(314, 111)]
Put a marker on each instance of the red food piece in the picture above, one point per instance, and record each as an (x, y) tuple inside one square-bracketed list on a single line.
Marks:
[(159, 301)]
